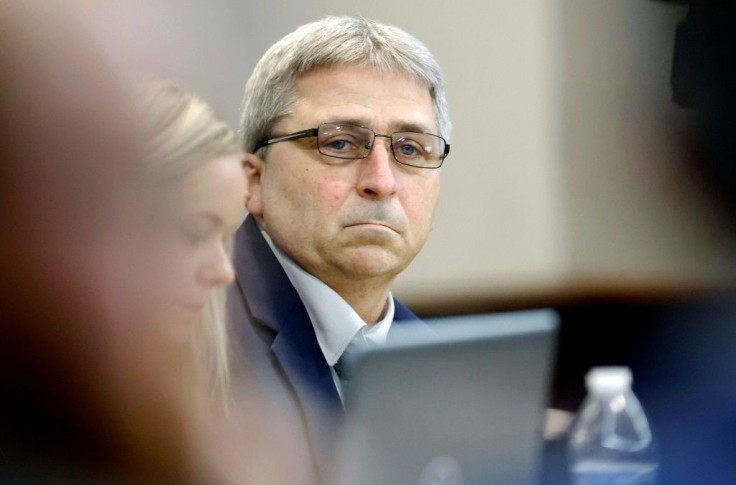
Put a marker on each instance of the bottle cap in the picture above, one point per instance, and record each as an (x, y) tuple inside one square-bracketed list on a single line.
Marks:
[(608, 379)]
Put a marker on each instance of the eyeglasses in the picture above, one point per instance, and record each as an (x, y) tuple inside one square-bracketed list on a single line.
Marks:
[(351, 142)]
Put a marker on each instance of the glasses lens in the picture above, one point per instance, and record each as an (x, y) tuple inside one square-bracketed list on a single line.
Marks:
[(418, 149), (344, 140)]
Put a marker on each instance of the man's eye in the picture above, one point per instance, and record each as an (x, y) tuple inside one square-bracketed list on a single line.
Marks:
[(338, 144), (410, 149), (341, 147)]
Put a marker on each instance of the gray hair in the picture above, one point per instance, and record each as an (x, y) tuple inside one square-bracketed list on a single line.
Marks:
[(270, 93)]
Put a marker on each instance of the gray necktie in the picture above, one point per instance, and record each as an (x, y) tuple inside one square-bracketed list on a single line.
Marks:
[(344, 363)]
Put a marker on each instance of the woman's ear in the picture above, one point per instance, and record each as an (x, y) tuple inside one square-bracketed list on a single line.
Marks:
[(254, 166)]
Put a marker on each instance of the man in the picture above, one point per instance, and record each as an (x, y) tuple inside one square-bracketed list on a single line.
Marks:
[(345, 125)]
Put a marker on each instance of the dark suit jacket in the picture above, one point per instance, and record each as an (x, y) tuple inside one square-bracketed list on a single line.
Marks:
[(272, 327)]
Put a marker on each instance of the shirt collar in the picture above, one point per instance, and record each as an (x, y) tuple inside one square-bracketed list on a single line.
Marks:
[(335, 322)]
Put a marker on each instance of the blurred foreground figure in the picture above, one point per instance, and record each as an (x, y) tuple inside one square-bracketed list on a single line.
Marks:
[(89, 386), (91, 378), (80, 360)]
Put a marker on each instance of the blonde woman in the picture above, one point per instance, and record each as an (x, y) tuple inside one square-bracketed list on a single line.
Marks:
[(196, 177), (194, 167)]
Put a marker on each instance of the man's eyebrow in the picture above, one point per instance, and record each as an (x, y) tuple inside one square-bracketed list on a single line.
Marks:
[(413, 127), (349, 121), (404, 126)]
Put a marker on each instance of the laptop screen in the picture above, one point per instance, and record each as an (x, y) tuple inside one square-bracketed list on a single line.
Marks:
[(462, 404)]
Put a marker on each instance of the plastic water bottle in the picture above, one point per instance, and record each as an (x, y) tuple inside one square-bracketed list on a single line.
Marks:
[(611, 442)]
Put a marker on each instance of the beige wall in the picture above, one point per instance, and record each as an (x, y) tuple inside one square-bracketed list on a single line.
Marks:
[(566, 171), (636, 208)]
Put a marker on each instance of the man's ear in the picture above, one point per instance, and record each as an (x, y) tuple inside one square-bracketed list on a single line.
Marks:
[(254, 166)]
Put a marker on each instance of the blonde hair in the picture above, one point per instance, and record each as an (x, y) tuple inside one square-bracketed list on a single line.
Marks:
[(182, 133)]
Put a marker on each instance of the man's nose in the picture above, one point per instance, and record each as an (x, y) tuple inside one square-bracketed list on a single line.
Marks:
[(376, 176)]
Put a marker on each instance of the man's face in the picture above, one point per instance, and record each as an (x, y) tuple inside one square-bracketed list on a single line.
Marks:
[(346, 221)]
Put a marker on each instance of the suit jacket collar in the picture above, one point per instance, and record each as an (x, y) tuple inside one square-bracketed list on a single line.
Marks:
[(260, 278), (275, 304)]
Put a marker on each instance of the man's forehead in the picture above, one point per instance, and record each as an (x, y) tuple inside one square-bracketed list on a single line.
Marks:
[(391, 100)]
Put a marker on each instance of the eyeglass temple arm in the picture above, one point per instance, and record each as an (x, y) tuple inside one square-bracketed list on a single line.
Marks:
[(291, 136)]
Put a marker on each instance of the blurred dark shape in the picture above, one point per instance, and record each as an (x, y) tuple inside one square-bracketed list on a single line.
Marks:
[(87, 389), (703, 78), (680, 351)]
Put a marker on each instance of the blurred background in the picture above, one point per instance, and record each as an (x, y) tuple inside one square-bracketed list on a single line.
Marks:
[(571, 171)]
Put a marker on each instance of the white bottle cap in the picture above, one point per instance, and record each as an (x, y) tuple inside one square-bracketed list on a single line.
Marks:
[(608, 379)]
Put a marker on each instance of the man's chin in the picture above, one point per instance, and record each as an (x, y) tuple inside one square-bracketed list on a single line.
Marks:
[(375, 260)]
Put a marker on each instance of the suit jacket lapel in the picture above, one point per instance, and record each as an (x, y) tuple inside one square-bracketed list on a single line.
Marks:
[(403, 317), (274, 303), (309, 375), (262, 282)]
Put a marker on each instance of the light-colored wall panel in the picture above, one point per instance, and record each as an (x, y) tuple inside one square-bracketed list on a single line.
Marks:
[(636, 207)]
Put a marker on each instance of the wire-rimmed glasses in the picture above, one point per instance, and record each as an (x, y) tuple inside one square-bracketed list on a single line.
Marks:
[(351, 142)]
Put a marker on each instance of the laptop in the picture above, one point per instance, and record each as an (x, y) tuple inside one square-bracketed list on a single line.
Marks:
[(463, 404)]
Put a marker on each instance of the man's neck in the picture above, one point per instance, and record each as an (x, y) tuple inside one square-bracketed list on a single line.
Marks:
[(369, 304)]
